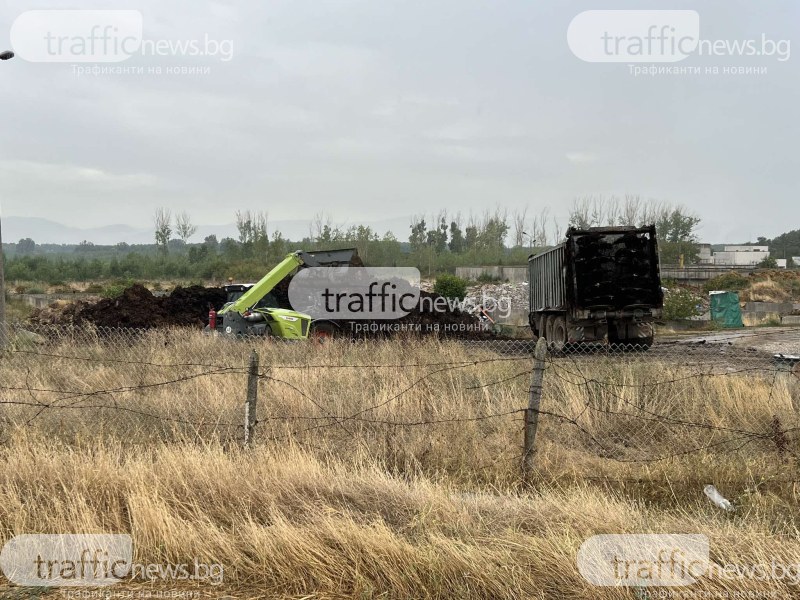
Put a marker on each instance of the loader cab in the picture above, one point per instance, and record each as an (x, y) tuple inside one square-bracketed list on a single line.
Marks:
[(236, 290)]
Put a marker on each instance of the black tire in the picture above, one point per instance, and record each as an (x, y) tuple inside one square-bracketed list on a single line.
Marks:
[(323, 331), (557, 340), (548, 327)]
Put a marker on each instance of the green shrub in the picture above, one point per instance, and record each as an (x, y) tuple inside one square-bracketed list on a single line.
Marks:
[(768, 263), (114, 290), (729, 282), (680, 304), (35, 290), (450, 286), (94, 288)]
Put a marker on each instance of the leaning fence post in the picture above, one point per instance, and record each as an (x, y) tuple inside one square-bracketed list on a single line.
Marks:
[(252, 399), (532, 412)]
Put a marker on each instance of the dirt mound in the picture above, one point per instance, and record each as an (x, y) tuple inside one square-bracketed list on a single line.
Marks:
[(189, 305), (765, 291), (137, 308), (435, 315)]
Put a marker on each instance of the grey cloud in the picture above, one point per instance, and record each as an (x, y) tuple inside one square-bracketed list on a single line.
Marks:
[(371, 110)]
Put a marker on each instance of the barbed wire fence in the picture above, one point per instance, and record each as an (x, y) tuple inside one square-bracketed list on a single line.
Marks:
[(429, 405)]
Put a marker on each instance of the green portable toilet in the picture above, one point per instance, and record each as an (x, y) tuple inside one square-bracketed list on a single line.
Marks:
[(725, 309)]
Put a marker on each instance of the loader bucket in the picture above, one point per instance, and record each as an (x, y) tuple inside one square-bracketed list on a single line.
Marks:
[(332, 258)]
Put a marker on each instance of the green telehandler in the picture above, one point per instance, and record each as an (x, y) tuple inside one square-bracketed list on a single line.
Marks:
[(252, 309)]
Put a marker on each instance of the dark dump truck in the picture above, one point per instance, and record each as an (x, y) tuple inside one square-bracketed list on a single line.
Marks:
[(602, 284)]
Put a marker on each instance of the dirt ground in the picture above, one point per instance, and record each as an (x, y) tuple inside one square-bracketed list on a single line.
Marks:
[(771, 340)]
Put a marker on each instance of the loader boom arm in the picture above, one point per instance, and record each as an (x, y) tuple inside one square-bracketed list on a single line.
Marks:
[(322, 258), (266, 284)]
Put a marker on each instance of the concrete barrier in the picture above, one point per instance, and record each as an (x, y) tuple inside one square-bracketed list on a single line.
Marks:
[(783, 308), (698, 273), (511, 274), (42, 300), (790, 320)]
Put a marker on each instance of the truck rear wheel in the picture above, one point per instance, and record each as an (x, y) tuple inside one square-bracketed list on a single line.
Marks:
[(556, 333)]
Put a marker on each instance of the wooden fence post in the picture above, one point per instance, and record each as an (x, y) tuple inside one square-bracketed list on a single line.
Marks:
[(252, 399), (532, 412)]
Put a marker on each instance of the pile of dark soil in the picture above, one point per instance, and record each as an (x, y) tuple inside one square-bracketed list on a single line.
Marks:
[(435, 315), (137, 308), (189, 305)]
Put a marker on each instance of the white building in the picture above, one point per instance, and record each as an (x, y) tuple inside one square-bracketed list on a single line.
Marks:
[(741, 256), (705, 256)]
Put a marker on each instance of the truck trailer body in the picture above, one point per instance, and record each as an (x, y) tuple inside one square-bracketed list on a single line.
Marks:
[(602, 284)]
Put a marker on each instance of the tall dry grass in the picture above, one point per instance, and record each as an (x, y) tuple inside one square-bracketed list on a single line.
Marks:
[(384, 468)]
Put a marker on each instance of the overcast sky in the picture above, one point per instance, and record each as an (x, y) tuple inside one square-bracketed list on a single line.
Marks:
[(378, 109)]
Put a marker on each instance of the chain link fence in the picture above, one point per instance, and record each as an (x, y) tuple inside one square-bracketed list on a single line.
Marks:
[(430, 404)]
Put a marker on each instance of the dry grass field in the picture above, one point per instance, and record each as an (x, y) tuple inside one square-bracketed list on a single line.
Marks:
[(392, 469)]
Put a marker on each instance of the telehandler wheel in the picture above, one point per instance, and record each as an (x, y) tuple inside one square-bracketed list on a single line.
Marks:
[(322, 332)]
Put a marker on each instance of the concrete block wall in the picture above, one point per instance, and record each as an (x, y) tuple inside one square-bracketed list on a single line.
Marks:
[(512, 274)]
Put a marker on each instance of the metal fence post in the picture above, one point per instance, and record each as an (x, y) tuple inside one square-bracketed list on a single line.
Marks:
[(252, 399), (532, 412)]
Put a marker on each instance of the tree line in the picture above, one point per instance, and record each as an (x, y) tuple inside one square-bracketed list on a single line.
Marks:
[(435, 243)]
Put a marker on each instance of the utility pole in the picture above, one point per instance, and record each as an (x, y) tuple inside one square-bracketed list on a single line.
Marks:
[(3, 56)]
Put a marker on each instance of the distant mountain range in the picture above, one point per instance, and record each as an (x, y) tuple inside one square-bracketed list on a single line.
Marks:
[(45, 231)]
